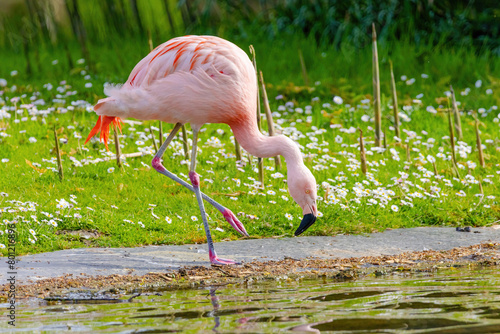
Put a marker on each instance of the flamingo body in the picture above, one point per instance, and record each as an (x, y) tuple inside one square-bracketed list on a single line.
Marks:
[(190, 79)]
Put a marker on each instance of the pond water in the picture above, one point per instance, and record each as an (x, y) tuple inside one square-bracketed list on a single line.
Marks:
[(446, 301)]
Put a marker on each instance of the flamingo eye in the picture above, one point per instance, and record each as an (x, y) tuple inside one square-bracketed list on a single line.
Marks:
[(308, 191)]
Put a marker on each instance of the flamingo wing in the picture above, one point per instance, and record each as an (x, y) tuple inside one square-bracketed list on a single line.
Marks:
[(185, 54)]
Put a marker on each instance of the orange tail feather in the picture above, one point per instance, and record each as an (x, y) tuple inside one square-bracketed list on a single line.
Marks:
[(95, 130), (102, 126)]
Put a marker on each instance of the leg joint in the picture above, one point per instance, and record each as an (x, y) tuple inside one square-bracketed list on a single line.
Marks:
[(156, 163), (195, 179)]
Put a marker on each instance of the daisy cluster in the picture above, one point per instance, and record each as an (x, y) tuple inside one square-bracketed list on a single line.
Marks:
[(36, 221)]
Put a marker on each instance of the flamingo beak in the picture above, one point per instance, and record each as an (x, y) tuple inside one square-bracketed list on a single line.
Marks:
[(306, 222)]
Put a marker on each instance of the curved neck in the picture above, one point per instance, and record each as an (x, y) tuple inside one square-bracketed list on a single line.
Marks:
[(255, 143)]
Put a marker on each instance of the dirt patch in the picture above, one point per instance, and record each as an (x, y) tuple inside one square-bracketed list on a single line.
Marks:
[(486, 254), (85, 236)]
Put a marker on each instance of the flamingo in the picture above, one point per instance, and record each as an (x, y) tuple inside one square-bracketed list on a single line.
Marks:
[(199, 80)]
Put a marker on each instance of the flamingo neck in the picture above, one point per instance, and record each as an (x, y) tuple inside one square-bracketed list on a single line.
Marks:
[(255, 143)]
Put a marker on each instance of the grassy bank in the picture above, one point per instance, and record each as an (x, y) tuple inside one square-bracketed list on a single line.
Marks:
[(135, 205)]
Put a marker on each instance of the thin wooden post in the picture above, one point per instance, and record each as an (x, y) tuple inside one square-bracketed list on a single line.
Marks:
[(249, 157), (58, 155), (456, 115), (185, 142), (153, 138), (452, 137), (252, 51), (150, 41), (452, 140), (237, 149), (269, 116), (385, 139), (117, 148), (160, 126), (376, 89), (478, 141), (362, 152), (304, 69), (260, 161), (435, 167), (394, 102)]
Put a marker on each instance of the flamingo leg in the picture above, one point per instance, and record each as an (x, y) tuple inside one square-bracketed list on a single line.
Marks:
[(195, 181), (157, 165)]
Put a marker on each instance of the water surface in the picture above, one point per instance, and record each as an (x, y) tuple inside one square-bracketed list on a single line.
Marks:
[(448, 301)]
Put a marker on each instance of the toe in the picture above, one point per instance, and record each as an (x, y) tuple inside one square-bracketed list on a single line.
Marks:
[(220, 261)]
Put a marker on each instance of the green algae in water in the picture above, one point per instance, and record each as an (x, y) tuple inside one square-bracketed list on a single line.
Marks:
[(449, 301)]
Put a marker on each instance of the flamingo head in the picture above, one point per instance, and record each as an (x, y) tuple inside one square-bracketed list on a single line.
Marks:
[(302, 187)]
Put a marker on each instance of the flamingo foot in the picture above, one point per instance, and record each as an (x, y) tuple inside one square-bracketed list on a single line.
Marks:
[(214, 259), (234, 221)]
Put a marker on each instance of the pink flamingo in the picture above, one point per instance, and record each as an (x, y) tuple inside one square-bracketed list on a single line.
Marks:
[(198, 80)]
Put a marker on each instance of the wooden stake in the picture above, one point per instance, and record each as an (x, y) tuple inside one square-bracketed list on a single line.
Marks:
[(376, 89), (237, 149), (456, 115), (185, 142), (385, 139), (269, 116), (394, 102), (160, 126), (327, 193), (260, 166), (435, 168), (452, 141), (362, 152), (153, 138), (452, 136), (117, 148), (252, 51), (478, 141), (58, 154), (304, 69), (260, 161), (249, 157), (150, 41), (127, 155)]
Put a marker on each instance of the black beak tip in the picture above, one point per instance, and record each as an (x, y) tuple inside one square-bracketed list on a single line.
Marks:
[(306, 222)]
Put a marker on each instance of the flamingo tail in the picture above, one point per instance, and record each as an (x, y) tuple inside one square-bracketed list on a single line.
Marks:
[(102, 126)]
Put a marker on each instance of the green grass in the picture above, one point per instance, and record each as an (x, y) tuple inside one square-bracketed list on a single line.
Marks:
[(113, 203)]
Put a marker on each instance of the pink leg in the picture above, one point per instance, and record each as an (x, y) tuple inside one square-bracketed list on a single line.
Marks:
[(228, 214), (195, 181)]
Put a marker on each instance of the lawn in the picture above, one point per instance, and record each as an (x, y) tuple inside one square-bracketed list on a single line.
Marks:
[(98, 204)]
